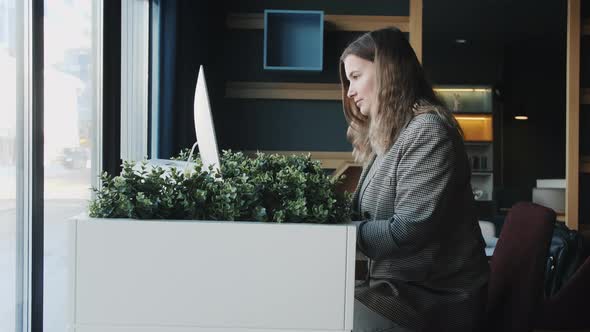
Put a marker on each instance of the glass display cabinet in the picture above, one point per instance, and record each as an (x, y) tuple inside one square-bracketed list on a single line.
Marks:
[(472, 106)]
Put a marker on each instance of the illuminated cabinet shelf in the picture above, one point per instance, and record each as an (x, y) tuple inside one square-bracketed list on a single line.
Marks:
[(476, 127), (472, 107)]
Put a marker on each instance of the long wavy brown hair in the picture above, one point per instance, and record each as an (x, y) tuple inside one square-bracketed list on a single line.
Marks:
[(402, 93)]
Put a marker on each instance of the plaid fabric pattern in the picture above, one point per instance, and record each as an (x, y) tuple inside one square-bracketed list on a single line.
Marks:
[(427, 264)]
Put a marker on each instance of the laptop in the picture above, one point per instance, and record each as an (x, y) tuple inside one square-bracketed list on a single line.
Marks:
[(204, 131)]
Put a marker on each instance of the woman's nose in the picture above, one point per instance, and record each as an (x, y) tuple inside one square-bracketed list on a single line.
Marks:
[(351, 92)]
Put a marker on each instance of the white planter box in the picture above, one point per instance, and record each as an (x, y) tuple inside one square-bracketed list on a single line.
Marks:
[(162, 275)]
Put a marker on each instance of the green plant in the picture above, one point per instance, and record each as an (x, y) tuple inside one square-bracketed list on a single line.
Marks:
[(269, 187)]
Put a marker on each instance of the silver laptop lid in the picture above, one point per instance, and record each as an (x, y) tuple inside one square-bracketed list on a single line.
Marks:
[(204, 129)]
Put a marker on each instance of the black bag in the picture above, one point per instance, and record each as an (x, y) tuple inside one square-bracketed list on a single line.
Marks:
[(566, 254)]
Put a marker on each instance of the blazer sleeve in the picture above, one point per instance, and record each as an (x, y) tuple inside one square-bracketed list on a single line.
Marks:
[(425, 176)]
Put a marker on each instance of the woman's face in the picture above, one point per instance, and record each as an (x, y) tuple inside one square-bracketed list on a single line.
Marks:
[(361, 75)]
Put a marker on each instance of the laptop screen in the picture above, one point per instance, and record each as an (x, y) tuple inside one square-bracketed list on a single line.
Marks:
[(204, 129)]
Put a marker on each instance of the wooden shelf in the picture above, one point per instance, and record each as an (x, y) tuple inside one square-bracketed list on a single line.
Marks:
[(482, 173), (275, 90), (477, 143), (255, 21), (366, 22), (585, 96), (287, 90)]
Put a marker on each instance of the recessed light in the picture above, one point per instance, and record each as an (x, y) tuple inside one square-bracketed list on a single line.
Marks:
[(460, 41), (521, 117)]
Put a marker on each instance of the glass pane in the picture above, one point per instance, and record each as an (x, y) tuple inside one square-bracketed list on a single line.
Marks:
[(8, 114), (466, 99), (69, 90)]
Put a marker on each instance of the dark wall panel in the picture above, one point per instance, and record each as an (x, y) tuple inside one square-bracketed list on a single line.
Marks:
[(243, 53), (534, 80), (237, 55), (584, 209), (472, 63), (585, 62), (585, 130), (282, 125), (585, 119)]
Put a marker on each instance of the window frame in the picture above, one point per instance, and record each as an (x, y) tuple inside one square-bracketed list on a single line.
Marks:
[(30, 83), (29, 166)]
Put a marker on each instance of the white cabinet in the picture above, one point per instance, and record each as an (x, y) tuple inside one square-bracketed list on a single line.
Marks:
[(164, 275)]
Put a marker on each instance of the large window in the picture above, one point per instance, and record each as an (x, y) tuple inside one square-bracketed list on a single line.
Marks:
[(68, 48), (8, 161), (70, 108)]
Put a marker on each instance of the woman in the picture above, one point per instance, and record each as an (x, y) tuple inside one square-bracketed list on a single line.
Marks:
[(427, 266)]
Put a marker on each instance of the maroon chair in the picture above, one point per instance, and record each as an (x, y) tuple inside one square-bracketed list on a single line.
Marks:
[(568, 309), (515, 290)]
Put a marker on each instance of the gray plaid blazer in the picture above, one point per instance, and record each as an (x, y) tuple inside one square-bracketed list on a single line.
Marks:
[(427, 264)]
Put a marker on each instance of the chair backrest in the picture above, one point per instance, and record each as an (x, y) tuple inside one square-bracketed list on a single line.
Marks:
[(515, 288)]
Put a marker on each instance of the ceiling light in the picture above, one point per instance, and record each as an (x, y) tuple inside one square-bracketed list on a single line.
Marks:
[(521, 114), (460, 41)]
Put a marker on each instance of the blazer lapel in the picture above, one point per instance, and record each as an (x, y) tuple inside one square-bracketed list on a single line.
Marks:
[(355, 197)]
